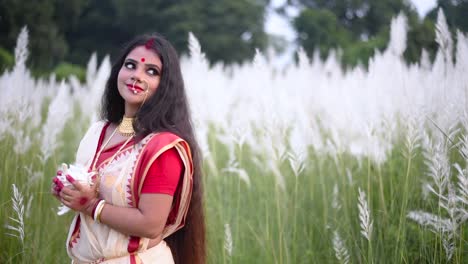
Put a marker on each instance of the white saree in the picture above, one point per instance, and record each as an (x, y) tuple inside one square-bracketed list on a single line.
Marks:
[(121, 182)]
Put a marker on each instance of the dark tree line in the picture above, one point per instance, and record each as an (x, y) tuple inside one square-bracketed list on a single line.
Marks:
[(359, 27), (229, 31)]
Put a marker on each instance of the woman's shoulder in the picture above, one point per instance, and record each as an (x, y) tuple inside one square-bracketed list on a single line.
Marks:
[(89, 142), (96, 127), (162, 139), (156, 143)]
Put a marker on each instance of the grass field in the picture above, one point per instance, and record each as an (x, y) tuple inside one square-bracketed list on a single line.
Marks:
[(315, 165)]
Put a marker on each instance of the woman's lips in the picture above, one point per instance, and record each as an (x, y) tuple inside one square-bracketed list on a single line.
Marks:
[(135, 87)]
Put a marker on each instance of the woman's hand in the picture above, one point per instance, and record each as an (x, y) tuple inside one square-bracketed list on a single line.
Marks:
[(81, 199), (56, 187)]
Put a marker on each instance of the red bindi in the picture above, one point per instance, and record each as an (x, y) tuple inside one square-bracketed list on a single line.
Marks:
[(142, 59)]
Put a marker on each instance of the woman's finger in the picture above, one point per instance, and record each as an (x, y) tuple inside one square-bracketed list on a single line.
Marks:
[(57, 182), (66, 203), (75, 183), (70, 192), (67, 198)]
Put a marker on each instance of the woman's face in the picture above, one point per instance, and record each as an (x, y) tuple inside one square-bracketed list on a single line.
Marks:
[(139, 76)]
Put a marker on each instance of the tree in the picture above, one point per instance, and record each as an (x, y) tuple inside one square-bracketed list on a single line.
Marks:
[(232, 29), (455, 13), (106, 24), (47, 43), (358, 27), (320, 29), (363, 18), (421, 35), (229, 31)]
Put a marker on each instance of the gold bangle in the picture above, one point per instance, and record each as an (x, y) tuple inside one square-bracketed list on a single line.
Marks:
[(99, 211), (98, 204)]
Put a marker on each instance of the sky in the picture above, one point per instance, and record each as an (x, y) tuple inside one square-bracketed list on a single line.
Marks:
[(278, 25), (423, 6)]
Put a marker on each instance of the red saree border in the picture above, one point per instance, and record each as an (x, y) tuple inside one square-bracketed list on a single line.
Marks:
[(99, 143), (158, 143)]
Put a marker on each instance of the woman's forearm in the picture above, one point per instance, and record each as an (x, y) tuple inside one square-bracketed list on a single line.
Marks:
[(129, 221), (148, 220)]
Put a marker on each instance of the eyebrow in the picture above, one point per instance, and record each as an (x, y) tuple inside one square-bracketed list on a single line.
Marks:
[(147, 64)]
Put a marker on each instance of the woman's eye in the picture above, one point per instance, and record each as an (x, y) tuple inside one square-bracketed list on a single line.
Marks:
[(153, 71), (129, 65)]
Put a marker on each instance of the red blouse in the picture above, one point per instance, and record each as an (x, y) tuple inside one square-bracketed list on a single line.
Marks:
[(164, 174)]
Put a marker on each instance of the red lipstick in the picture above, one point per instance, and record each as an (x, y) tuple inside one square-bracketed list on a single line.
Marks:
[(136, 87)]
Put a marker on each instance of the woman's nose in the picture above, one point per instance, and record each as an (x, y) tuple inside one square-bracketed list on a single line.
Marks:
[(136, 79), (137, 75)]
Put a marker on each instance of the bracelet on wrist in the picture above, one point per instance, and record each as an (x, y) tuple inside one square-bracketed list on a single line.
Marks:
[(97, 212), (94, 207)]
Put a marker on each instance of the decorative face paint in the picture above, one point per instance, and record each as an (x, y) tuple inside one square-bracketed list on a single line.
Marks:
[(149, 43), (83, 200), (142, 59), (137, 79)]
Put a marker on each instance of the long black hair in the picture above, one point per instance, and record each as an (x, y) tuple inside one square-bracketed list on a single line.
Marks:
[(166, 110)]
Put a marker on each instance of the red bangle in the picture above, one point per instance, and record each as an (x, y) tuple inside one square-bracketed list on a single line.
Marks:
[(95, 206)]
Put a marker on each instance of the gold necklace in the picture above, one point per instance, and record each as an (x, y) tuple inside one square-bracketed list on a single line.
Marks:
[(126, 127)]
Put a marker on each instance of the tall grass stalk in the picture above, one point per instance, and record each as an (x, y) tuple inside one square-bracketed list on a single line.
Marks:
[(366, 223), (16, 225), (409, 152), (259, 205)]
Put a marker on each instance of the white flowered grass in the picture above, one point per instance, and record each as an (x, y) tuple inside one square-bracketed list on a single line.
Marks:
[(16, 226), (311, 164)]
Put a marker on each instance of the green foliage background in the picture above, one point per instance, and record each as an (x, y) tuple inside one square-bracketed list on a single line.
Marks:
[(360, 27), (229, 31), (72, 30)]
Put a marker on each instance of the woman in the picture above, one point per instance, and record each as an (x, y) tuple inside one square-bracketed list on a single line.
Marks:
[(145, 205)]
